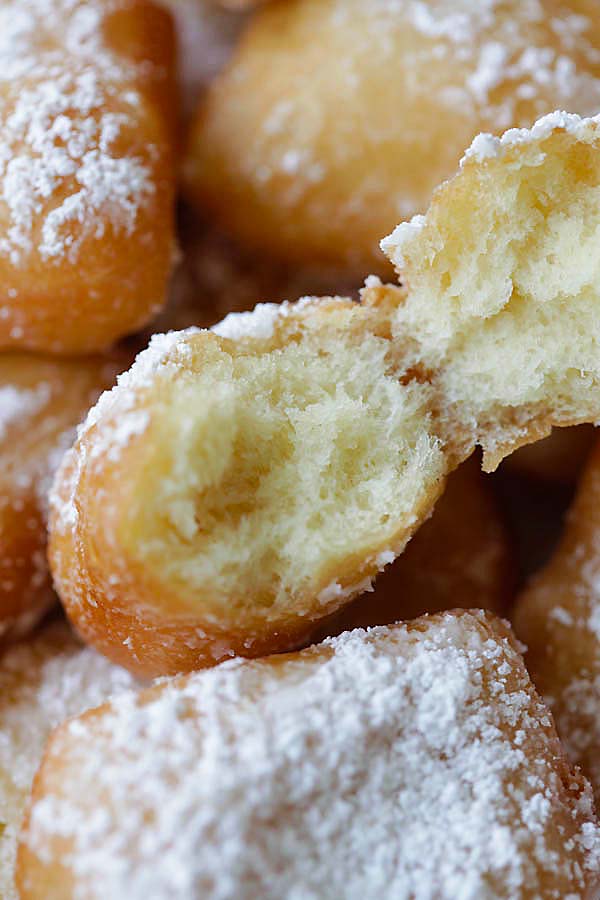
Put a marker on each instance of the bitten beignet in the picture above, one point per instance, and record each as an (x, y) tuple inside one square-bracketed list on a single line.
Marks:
[(338, 118), (241, 485), (414, 761), (242, 488), (87, 119)]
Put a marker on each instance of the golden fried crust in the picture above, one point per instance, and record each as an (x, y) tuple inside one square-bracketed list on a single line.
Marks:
[(86, 224), (462, 556), (557, 617), (337, 119), (41, 402), (131, 609), (234, 756)]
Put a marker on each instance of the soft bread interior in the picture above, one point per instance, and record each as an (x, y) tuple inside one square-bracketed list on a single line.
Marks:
[(301, 466), (289, 455), (503, 275)]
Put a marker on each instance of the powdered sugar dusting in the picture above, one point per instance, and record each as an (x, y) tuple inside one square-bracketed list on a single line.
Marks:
[(42, 682), (419, 754), (393, 244), (486, 146), (17, 402), (66, 98), (259, 323)]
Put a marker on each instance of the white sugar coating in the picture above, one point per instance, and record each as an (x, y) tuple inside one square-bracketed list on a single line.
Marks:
[(396, 763), (261, 321), (63, 177), (494, 45), (401, 235), (42, 682), (486, 146), (17, 403), (572, 684)]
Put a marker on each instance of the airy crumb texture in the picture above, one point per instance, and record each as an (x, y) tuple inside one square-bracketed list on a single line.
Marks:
[(240, 486), (42, 400), (502, 278), (463, 556), (558, 616), (410, 762), (86, 180), (301, 465), (42, 683), (337, 118)]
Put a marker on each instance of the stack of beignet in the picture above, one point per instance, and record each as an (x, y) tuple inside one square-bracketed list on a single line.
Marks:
[(258, 488)]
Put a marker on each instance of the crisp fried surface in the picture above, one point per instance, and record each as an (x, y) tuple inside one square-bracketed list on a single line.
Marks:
[(87, 113), (558, 616), (337, 118), (395, 763)]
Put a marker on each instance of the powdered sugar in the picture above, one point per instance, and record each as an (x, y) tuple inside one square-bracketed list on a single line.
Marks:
[(405, 762), (486, 146), (393, 244), (41, 684), (63, 106), (261, 322), (17, 402)]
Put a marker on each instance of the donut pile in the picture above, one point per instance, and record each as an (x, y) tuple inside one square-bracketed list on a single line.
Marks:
[(277, 281)]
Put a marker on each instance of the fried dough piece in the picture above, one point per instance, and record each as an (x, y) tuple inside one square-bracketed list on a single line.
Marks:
[(414, 761), (238, 487), (338, 118), (462, 556), (287, 468), (42, 683), (558, 616), (87, 118), (502, 285), (41, 402)]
